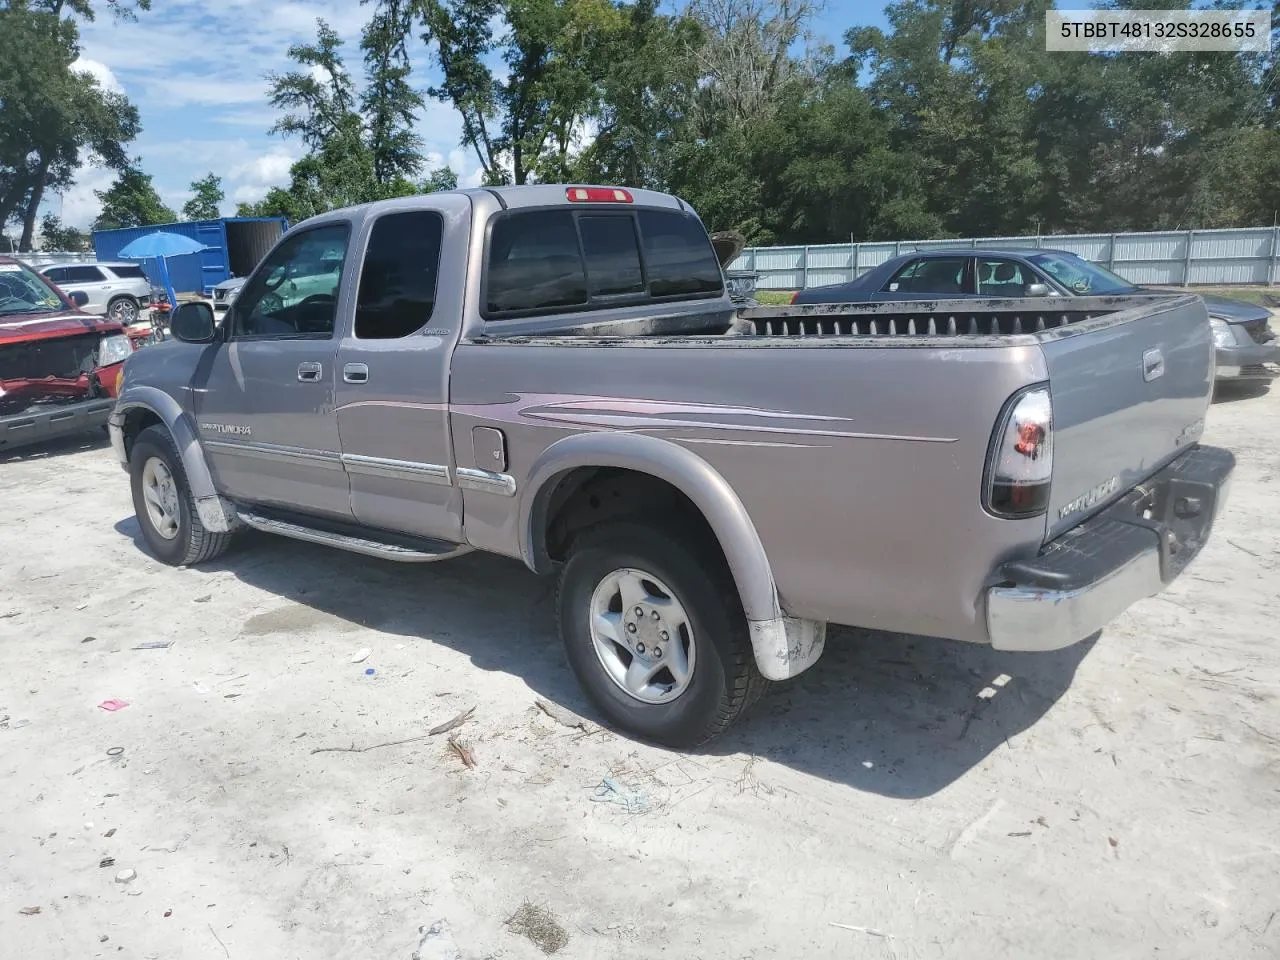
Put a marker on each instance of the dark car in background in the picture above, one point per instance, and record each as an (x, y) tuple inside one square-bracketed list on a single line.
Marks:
[(1245, 345)]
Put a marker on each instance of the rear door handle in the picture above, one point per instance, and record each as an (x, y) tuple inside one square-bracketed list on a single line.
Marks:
[(356, 373), (309, 372)]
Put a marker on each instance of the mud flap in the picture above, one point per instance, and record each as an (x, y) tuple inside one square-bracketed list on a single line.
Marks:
[(786, 647)]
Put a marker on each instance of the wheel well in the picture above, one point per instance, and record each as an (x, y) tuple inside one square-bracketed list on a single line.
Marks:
[(588, 496), (135, 421)]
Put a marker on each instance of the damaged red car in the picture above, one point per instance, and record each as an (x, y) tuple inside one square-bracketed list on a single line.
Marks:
[(59, 368)]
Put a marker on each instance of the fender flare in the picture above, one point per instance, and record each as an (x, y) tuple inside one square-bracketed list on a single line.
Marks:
[(216, 514), (678, 466)]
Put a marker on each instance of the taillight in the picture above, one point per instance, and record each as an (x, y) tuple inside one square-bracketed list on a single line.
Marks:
[(597, 195), (1020, 462), (795, 296)]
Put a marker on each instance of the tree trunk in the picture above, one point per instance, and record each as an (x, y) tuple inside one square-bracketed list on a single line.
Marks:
[(517, 161), (33, 205), (13, 196)]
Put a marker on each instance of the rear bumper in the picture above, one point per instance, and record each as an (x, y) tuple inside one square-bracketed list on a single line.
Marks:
[(1092, 573), (28, 427)]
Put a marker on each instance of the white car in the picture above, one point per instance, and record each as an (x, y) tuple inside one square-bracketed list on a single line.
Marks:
[(116, 290)]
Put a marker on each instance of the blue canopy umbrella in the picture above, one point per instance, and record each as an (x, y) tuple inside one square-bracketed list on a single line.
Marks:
[(160, 246)]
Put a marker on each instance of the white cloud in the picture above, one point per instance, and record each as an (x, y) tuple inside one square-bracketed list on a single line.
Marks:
[(205, 106), (100, 72), (77, 206), (249, 182)]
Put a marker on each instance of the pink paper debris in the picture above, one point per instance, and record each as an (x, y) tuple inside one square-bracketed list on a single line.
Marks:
[(113, 705)]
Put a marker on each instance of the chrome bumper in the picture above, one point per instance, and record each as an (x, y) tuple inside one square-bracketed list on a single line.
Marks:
[(1091, 574)]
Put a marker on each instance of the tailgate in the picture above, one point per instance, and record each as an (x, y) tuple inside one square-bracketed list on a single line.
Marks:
[(1129, 391)]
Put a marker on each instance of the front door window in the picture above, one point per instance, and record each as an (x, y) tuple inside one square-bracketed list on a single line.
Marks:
[(294, 295)]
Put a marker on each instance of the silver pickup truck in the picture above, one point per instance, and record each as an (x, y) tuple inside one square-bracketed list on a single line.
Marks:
[(557, 374)]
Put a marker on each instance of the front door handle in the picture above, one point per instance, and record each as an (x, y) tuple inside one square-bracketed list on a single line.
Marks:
[(309, 372), (356, 373)]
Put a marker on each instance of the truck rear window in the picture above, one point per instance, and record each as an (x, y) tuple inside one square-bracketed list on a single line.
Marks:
[(547, 261)]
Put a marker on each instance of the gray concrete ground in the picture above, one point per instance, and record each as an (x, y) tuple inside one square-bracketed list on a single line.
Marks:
[(907, 798)]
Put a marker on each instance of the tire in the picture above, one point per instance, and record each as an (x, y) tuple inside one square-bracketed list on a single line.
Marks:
[(128, 308), (723, 680), (185, 540)]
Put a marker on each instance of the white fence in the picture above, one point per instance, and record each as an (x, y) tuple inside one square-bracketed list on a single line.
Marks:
[(1175, 258), (44, 259)]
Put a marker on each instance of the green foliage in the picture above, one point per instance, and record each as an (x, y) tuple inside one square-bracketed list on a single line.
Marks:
[(442, 178), (952, 121), (389, 102), (522, 127), (55, 236), (131, 202), (52, 119), (208, 197)]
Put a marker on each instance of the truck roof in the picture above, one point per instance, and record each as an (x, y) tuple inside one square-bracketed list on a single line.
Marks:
[(521, 197)]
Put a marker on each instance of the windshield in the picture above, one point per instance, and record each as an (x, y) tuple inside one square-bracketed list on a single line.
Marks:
[(22, 290), (1080, 276)]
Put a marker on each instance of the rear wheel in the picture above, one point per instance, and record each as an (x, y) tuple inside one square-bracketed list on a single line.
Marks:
[(655, 633), (123, 310), (163, 503)]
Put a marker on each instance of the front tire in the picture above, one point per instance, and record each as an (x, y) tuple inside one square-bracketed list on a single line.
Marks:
[(163, 503), (680, 670)]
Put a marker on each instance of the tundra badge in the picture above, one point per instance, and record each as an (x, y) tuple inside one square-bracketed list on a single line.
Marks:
[(235, 428), (1089, 498)]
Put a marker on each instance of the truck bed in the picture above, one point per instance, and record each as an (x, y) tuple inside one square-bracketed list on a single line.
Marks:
[(985, 322)]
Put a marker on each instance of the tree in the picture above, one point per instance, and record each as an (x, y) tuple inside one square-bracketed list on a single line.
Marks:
[(52, 119), (207, 198), (442, 178), (647, 82), (744, 57), (131, 202), (389, 104), (55, 236), (355, 156), (525, 123)]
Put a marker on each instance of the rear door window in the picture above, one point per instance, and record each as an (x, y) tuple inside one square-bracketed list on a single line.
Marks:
[(678, 255), (84, 275), (940, 275), (398, 279), (534, 263), (612, 254)]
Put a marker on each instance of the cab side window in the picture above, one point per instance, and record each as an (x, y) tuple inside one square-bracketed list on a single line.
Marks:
[(294, 293), (398, 279)]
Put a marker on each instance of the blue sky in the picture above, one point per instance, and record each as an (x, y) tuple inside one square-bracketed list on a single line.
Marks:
[(195, 71)]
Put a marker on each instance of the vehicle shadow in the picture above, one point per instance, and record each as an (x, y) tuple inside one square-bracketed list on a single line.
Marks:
[(1227, 392), (60, 447), (889, 714)]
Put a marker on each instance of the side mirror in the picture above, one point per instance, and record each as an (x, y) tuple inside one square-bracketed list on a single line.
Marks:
[(79, 297), (1037, 290), (192, 323)]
